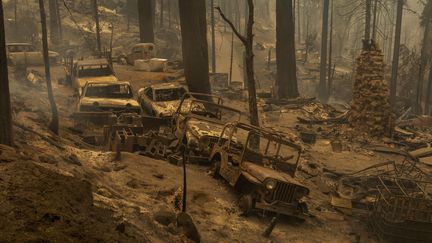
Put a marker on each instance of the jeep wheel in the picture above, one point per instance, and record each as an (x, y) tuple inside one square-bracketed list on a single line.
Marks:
[(215, 167), (246, 204)]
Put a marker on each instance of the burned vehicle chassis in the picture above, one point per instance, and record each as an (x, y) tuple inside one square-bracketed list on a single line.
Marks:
[(271, 189), (402, 211)]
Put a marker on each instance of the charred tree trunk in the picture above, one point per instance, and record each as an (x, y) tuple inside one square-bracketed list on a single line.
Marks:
[(213, 36), (429, 94), (5, 106), (145, 18), (161, 21), (323, 67), (96, 18), (54, 22), (425, 53), (329, 74), (54, 125), (298, 23), (375, 21), (368, 14), (285, 50), (249, 59), (396, 50), (194, 44)]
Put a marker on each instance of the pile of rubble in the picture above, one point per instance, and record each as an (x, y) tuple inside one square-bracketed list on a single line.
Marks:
[(371, 110)]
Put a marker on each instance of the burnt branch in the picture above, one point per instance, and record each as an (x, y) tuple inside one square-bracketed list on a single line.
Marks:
[(241, 37)]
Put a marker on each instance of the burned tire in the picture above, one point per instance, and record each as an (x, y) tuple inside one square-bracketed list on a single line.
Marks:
[(246, 204), (215, 167)]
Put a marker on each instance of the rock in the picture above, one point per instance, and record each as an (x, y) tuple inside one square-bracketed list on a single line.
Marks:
[(121, 228), (165, 217), (73, 159), (48, 159), (159, 176)]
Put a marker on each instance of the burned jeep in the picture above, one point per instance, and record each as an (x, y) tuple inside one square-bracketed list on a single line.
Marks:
[(198, 122), (261, 166)]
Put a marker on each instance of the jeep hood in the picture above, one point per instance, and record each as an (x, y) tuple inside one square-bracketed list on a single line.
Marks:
[(166, 108), (82, 81), (262, 173), (200, 128), (106, 102)]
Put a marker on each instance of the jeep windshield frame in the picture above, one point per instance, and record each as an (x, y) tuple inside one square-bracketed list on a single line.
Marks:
[(205, 108), (259, 144)]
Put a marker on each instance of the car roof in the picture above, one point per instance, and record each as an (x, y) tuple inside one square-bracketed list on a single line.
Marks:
[(166, 86), (144, 44), (18, 44), (108, 82), (91, 62)]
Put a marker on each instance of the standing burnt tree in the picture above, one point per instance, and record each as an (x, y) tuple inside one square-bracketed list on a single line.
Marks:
[(285, 50), (396, 51), (249, 58), (54, 21), (194, 45), (145, 19), (425, 57), (5, 106), (96, 18), (322, 88), (54, 125)]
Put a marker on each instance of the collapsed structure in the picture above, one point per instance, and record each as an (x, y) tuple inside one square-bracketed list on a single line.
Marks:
[(370, 108)]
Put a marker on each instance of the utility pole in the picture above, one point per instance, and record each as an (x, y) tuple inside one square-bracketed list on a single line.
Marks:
[(5, 106), (213, 36), (96, 18), (54, 125), (396, 51)]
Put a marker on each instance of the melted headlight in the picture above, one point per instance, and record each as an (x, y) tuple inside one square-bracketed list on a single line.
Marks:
[(270, 184)]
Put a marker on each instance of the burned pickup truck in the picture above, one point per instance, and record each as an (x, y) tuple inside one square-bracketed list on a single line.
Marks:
[(80, 72), (101, 100), (261, 166)]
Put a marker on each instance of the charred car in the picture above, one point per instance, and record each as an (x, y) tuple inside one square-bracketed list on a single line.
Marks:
[(161, 100), (94, 70), (198, 122), (140, 51), (261, 166), (108, 96), (27, 54)]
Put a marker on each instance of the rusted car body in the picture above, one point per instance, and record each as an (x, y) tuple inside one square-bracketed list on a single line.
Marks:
[(83, 71), (261, 166), (161, 100), (198, 122), (27, 54), (103, 99)]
